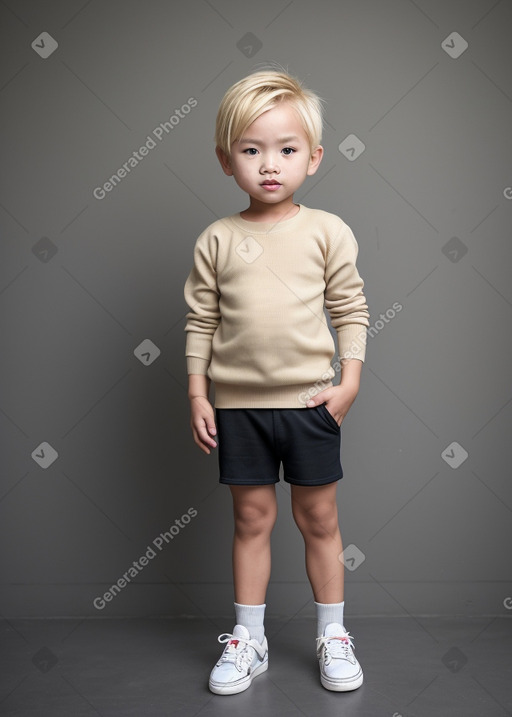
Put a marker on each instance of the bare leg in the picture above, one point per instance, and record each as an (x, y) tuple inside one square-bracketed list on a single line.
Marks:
[(316, 514), (255, 513)]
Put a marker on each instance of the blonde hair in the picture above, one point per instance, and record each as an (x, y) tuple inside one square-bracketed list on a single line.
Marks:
[(260, 91)]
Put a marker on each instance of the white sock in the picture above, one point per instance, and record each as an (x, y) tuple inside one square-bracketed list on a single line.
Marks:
[(251, 616), (326, 613)]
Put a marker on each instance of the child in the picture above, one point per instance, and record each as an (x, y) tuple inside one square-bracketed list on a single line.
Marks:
[(257, 329)]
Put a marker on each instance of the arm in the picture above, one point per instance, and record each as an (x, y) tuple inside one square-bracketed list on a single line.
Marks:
[(339, 399), (344, 298), (346, 304), (202, 297), (202, 420), (351, 375), (198, 385)]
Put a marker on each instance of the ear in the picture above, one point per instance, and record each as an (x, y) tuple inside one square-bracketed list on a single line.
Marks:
[(316, 158), (224, 160)]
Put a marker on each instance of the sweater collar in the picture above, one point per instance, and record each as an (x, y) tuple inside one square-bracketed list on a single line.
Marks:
[(269, 227)]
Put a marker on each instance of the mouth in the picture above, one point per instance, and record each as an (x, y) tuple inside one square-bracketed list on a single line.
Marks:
[(270, 184)]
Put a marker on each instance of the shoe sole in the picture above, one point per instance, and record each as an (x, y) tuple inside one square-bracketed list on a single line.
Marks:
[(345, 686), (230, 689)]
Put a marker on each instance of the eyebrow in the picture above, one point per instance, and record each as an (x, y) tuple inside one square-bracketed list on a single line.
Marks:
[(278, 140)]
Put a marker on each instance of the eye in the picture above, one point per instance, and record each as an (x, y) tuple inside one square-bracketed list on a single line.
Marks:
[(250, 150), (288, 151)]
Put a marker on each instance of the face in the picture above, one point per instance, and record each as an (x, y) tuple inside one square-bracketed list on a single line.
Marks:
[(271, 161)]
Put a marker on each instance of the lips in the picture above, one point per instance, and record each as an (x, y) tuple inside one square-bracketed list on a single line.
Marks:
[(268, 182)]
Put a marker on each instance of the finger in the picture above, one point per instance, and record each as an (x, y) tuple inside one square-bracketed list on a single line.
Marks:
[(200, 443), (204, 436), (203, 448), (317, 400), (210, 426), (204, 421)]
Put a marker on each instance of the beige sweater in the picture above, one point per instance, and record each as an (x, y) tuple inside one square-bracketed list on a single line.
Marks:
[(256, 293)]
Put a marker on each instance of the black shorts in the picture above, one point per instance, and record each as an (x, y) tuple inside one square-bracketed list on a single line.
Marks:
[(252, 442)]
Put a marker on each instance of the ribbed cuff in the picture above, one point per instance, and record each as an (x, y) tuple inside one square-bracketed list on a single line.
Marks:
[(352, 341), (197, 365)]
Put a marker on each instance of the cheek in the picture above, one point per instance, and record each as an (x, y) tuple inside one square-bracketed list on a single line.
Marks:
[(240, 167), (247, 170)]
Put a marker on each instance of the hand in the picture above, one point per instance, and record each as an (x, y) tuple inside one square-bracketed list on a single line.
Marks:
[(202, 423), (337, 399)]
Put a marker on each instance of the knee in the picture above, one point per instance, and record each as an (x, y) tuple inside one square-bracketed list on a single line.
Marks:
[(252, 519), (319, 520)]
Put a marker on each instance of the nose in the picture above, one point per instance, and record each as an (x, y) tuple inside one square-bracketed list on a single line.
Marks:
[(269, 164)]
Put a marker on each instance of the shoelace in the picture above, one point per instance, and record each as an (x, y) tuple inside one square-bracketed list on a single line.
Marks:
[(336, 646), (240, 657)]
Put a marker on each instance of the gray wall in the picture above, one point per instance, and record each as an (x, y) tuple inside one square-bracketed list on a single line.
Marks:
[(85, 281)]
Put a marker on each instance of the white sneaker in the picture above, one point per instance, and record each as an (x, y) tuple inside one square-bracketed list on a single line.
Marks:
[(241, 660), (339, 669)]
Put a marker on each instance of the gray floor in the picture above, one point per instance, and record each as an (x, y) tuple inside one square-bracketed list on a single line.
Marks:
[(144, 667)]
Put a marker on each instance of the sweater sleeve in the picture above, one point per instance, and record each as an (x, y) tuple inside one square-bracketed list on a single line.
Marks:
[(202, 296), (344, 298)]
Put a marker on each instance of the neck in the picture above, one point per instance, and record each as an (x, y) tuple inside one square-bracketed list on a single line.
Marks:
[(260, 212)]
